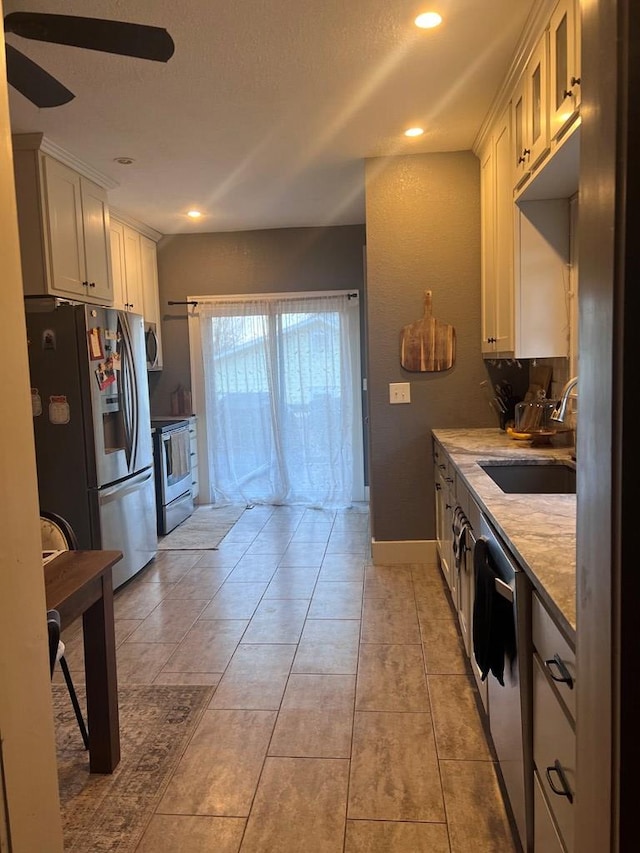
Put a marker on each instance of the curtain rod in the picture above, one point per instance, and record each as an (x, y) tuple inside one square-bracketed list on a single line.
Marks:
[(250, 297)]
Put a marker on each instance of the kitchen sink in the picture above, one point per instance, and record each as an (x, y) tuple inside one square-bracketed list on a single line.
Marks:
[(533, 479)]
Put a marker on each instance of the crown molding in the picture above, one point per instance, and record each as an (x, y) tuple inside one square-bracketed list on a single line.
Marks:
[(147, 230), (39, 142), (536, 24)]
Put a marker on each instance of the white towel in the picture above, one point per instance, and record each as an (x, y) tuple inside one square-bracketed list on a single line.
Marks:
[(179, 447)]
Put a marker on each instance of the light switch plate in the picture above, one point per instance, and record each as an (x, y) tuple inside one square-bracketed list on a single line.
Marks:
[(399, 392)]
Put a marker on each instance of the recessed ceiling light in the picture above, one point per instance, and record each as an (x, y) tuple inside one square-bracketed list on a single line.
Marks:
[(124, 161), (194, 214), (414, 131), (428, 20)]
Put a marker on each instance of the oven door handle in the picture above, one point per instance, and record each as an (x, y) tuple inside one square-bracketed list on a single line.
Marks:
[(504, 589)]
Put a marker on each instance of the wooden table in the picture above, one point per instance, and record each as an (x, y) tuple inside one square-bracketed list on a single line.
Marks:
[(79, 583)]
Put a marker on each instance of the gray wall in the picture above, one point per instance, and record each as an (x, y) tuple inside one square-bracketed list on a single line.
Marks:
[(270, 261), (423, 233)]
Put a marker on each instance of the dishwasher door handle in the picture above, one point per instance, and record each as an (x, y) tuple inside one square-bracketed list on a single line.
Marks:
[(504, 590)]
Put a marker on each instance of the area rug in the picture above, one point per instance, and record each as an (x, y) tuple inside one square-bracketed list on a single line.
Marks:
[(109, 813), (204, 530)]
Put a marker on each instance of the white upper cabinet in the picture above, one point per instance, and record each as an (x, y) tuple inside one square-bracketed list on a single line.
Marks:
[(63, 221), (564, 66), (497, 211), (125, 260), (530, 102), (151, 299), (135, 280)]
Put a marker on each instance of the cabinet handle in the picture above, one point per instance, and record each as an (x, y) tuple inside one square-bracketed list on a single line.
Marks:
[(523, 157), (442, 467), (449, 479), (438, 487), (491, 340), (575, 81), (447, 506), (92, 284), (504, 590), (564, 790), (85, 284), (564, 675)]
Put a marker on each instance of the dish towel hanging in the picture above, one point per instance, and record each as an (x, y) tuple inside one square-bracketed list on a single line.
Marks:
[(179, 446), (459, 529), (494, 634)]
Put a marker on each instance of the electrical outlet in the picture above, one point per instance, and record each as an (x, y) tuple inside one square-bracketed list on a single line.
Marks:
[(399, 392)]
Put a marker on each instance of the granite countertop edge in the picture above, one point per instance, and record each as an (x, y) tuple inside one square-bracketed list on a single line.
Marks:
[(539, 530)]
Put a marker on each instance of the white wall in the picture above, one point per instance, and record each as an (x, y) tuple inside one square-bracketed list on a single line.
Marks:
[(32, 820)]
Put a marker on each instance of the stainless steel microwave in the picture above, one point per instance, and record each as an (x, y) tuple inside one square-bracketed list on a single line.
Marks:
[(151, 345)]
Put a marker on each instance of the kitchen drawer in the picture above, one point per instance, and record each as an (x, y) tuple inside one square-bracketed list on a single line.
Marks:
[(441, 462), (554, 749), (556, 654), (545, 835)]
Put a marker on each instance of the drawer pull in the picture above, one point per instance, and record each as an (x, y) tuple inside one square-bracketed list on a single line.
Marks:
[(563, 675), (564, 790), (503, 589), (442, 467), (438, 487)]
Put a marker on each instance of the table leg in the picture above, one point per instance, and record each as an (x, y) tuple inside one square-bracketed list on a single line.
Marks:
[(101, 681)]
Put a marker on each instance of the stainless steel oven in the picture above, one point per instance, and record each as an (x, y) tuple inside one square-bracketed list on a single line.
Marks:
[(172, 463)]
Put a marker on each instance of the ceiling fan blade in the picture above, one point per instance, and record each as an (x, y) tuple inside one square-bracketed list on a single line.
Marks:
[(34, 82), (139, 40)]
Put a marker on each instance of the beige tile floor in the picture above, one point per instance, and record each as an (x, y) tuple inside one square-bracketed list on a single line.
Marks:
[(344, 716)]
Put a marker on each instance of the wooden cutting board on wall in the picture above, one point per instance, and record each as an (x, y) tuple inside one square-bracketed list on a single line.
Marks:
[(428, 345)]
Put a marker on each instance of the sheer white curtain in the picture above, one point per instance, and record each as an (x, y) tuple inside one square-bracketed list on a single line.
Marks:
[(278, 388)]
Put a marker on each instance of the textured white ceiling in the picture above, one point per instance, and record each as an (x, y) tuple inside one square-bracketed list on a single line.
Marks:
[(266, 111)]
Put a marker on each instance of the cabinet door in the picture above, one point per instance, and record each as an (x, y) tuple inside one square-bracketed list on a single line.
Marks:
[(487, 236), (521, 149), (150, 295), (195, 480), (564, 66), (504, 227), (554, 753), (133, 274), (95, 220), (63, 212), (537, 102), (116, 234), (497, 280)]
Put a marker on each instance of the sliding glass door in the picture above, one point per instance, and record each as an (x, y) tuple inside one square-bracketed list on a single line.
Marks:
[(278, 381)]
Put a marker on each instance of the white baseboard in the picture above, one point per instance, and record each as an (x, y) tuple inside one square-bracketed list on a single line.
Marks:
[(403, 551)]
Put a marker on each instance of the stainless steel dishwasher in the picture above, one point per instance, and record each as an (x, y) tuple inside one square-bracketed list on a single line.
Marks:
[(510, 703)]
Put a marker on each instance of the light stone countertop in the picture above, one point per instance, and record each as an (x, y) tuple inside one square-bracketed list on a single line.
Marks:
[(540, 530)]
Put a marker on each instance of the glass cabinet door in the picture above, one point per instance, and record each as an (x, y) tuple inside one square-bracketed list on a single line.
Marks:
[(564, 66), (537, 102)]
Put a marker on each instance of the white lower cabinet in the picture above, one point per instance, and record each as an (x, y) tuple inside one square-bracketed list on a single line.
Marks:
[(546, 836), (554, 741), (195, 482), (548, 688)]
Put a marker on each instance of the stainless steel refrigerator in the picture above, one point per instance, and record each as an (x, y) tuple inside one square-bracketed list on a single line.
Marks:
[(92, 428)]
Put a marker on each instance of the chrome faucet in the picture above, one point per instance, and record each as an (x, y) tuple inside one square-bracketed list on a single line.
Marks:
[(560, 410)]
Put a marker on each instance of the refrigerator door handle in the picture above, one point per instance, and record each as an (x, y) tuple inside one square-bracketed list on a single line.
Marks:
[(128, 399), (119, 490)]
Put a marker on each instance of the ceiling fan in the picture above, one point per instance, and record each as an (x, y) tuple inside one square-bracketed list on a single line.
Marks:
[(43, 90)]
